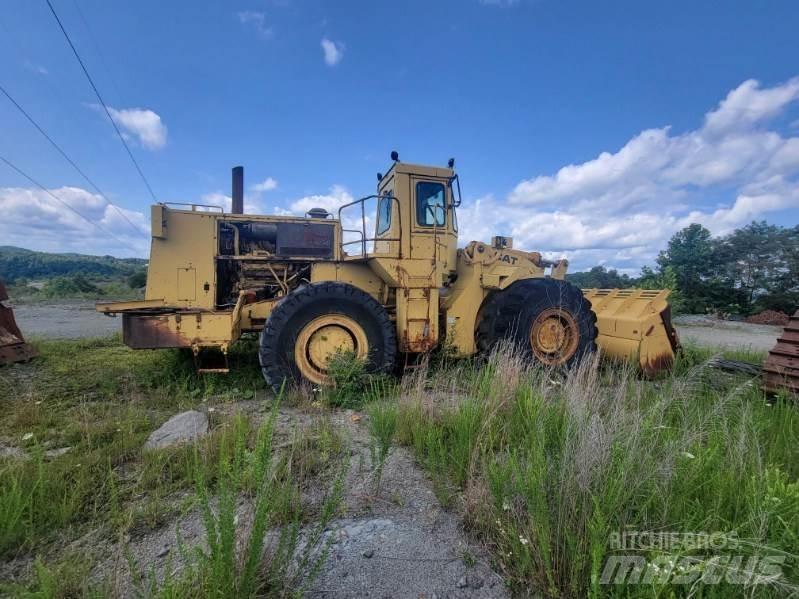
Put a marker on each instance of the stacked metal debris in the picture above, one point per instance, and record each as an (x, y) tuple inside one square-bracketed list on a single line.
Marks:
[(12, 346), (781, 369)]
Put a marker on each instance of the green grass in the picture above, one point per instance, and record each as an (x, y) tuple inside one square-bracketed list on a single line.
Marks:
[(545, 466), (549, 467), (383, 428), (239, 562), (101, 400)]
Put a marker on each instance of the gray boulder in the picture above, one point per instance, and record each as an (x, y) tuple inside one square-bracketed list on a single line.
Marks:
[(183, 427)]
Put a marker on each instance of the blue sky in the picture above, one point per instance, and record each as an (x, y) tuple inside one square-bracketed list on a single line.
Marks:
[(585, 129)]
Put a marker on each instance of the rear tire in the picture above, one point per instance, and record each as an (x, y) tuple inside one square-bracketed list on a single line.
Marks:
[(547, 319), (314, 321)]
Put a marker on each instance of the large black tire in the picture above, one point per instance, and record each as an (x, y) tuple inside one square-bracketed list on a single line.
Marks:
[(304, 306), (512, 314)]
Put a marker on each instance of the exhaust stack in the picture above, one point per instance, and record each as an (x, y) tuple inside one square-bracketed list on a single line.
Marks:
[(238, 190)]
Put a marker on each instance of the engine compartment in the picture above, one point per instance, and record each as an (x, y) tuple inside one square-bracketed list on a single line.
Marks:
[(268, 258)]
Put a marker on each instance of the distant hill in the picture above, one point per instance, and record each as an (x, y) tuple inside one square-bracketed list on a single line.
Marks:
[(18, 263)]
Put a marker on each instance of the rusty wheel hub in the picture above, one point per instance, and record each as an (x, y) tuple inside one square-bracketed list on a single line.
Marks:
[(554, 336)]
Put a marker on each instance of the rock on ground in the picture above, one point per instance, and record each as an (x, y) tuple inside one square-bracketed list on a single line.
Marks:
[(186, 426)]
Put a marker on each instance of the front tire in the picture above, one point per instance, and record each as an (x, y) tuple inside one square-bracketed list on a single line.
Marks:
[(314, 322), (547, 319)]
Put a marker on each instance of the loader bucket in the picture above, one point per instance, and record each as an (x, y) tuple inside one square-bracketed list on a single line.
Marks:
[(635, 325), (12, 346)]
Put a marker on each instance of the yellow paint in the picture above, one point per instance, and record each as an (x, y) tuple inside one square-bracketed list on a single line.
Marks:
[(321, 339)]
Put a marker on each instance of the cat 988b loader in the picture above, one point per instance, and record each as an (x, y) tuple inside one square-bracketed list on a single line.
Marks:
[(381, 279)]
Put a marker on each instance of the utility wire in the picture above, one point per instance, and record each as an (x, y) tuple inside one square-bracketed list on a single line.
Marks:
[(68, 159), (59, 200), (100, 98), (96, 45)]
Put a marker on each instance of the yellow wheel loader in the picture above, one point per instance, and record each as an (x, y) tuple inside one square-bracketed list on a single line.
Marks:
[(384, 278)]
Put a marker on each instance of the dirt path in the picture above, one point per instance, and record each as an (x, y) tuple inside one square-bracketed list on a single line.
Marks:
[(64, 320), (402, 544), (707, 332)]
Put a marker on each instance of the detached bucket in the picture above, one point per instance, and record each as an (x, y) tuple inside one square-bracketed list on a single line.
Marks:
[(12, 346), (635, 325), (781, 368)]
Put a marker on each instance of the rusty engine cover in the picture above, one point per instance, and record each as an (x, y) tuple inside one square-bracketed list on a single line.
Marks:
[(781, 368), (12, 346)]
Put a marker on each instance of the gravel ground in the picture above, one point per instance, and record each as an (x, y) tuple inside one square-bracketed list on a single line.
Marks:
[(711, 332), (64, 320), (401, 544)]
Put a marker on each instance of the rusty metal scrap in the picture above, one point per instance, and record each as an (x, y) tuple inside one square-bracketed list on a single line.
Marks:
[(12, 345), (781, 368)]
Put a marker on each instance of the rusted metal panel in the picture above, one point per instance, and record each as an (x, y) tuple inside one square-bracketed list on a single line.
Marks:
[(150, 332), (781, 368), (12, 345)]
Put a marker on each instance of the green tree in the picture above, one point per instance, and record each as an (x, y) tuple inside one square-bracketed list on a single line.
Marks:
[(70, 286), (138, 279), (599, 277), (663, 279), (690, 255)]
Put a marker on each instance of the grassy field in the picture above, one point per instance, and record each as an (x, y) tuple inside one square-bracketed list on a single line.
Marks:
[(549, 471), (101, 400)]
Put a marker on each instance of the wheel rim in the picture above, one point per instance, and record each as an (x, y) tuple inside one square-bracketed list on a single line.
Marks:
[(321, 339), (554, 336)]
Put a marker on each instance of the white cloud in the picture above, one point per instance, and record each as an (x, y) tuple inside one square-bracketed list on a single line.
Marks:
[(500, 3), (36, 68), (142, 124), (732, 169), (749, 104), (257, 20), (333, 51), (268, 184), (331, 201), (34, 220), (217, 198)]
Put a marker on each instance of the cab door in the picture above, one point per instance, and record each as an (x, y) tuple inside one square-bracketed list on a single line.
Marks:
[(434, 227)]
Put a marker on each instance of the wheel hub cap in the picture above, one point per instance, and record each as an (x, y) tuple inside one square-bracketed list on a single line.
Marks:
[(554, 336), (323, 338)]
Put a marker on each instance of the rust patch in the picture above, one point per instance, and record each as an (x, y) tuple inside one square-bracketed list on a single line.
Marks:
[(150, 332), (781, 368), (12, 345), (657, 364)]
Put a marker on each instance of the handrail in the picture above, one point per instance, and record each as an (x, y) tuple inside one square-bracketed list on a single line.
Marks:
[(363, 240), (194, 206)]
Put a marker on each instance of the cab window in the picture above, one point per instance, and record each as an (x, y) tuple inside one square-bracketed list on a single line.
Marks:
[(430, 204), (384, 213)]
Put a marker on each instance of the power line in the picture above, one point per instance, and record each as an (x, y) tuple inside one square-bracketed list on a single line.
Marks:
[(68, 159), (59, 200), (102, 102), (109, 73)]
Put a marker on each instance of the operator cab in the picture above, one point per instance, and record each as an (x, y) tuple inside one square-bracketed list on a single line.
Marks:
[(414, 215)]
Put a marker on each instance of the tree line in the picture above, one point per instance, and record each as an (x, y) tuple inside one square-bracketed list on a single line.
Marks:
[(752, 269)]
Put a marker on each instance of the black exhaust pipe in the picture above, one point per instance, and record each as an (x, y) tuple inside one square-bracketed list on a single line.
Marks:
[(238, 190)]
